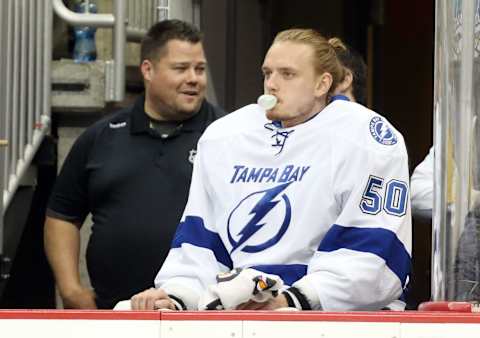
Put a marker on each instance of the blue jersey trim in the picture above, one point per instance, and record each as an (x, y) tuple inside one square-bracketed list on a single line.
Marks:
[(289, 273), (193, 231), (339, 97), (381, 242)]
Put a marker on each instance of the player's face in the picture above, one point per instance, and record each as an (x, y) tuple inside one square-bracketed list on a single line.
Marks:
[(175, 83), (290, 75)]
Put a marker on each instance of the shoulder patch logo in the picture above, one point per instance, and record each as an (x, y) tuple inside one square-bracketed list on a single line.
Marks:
[(381, 131), (117, 125)]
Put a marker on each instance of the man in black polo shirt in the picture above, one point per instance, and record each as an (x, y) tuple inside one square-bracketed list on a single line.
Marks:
[(132, 172)]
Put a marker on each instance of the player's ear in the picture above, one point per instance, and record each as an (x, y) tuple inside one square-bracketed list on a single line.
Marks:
[(324, 82), (147, 70), (346, 84)]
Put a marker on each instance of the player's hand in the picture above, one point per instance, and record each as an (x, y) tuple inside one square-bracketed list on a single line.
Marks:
[(151, 299), (79, 298), (272, 304), (240, 286)]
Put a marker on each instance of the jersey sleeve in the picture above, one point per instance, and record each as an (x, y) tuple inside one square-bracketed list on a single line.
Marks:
[(69, 199), (363, 261), (422, 184), (197, 253)]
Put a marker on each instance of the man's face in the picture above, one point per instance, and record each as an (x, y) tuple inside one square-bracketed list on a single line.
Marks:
[(289, 74), (175, 83)]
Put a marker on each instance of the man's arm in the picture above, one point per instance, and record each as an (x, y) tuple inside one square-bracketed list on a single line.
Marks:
[(62, 243)]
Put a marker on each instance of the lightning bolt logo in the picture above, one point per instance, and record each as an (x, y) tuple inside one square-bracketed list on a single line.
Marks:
[(381, 131), (266, 203), (384, 131)]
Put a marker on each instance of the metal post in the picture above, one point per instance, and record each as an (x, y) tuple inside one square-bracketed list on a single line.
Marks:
[(39, 58), (3, 140), (47, 58), (119, 41), (15, 86), (129, 13), (145, 15), (156, 3), (136, 14), (22, 97), (8, 90), (31, 69), (151, 14), (3, 32), (141, 13)]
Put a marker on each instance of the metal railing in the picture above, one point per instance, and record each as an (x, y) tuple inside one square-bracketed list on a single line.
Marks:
[(25, 73), (25, 58), (130, 21)]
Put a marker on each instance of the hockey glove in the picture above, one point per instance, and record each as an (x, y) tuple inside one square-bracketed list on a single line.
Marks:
[(239, 286)]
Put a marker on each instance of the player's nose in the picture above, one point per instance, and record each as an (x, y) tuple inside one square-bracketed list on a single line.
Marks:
[(271, 84)]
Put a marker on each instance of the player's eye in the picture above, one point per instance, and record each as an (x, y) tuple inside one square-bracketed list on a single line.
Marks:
[(288, 74)]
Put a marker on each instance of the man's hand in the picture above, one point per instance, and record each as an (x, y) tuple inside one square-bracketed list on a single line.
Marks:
[(272, 304), (151, 299), (79, 298)]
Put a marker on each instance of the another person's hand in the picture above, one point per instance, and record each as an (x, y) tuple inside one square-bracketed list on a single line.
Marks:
[(151, 299), (79, 298), (272, 304)]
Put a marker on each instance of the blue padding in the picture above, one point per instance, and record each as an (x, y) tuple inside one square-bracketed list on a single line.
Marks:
[(378, 241), (288, 273), (193, 231)]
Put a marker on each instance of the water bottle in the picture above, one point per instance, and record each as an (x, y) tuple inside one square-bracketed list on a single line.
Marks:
[(84, 49)]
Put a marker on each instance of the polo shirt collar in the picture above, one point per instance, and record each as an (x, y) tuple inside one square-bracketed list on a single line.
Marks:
[(140, 122)]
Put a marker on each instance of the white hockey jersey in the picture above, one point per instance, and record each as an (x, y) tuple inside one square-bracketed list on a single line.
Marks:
[(324, 205), (422, 184)]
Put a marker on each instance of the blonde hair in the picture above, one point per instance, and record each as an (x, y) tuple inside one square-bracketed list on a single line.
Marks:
[(325, 60), (337, 44)]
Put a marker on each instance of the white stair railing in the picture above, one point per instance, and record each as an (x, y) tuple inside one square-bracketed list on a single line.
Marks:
[(25, 33), (25, 58), (25, 73)]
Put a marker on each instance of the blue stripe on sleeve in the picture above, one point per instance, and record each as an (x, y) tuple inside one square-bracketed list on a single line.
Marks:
[(381, 242), (193, 231), (289, 273)]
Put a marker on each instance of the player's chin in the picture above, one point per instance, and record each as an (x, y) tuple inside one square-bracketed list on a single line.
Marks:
[(274, 115)]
